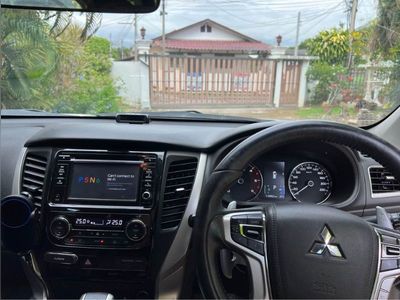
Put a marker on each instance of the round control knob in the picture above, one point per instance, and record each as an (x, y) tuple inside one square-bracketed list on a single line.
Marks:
[(146, 195), (135, 230), (60, 227)]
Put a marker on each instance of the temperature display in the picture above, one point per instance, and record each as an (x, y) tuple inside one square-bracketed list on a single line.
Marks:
[(95, 221)]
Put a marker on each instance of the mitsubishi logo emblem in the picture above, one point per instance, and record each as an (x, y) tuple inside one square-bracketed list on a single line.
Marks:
[(325, 244)]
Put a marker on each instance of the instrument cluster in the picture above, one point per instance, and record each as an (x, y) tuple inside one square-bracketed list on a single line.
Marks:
[(310, 174)]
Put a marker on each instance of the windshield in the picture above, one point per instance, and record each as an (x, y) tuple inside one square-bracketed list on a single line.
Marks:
[(297, 59)]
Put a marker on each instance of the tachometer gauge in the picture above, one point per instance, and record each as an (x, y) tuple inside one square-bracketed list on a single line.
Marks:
[(310, 182), (248, 186)]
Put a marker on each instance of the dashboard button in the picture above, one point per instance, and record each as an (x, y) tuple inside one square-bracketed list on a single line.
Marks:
[(146, 195), (58, 198), (135, 230), (59, 227), (88, 262), (61, 258)]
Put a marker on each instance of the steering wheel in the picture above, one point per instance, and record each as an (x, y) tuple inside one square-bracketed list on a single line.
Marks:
[(296, 250)]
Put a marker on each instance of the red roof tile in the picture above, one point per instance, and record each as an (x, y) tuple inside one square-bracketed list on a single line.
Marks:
[(206, 45)]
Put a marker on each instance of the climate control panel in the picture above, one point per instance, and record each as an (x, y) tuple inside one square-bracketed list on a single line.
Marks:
[(99, 230)]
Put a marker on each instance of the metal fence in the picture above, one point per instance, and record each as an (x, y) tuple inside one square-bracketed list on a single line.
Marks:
[(181, 81)]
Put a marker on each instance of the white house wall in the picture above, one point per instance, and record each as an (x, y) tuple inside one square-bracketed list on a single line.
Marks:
[(133, 79), (194, 33)]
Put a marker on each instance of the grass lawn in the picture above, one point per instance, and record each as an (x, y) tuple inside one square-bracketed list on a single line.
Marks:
[(317, 112)]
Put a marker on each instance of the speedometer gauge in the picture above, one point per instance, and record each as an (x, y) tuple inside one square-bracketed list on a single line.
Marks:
[(310, 182), (248, 186)]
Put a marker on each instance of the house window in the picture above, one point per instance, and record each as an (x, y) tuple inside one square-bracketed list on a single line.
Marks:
[(206, 27)]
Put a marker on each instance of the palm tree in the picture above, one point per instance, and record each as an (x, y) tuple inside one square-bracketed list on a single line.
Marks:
[(27, 54), (60, 20), (30, 52)]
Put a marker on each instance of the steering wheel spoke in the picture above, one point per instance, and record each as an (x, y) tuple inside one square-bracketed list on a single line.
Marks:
[(388, 272), (245, 232)]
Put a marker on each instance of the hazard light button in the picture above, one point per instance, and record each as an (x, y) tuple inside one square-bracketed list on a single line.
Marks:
[(88, 262)]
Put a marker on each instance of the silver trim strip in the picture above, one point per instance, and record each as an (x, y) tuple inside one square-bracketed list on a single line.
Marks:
[(34, 277), (169, 281), (133, 162), (380, 195), (98, 206), (16, 185)]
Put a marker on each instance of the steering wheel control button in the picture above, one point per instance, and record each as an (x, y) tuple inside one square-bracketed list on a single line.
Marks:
[(238, 238), (135, 230), (252, 232), (388, 264), (391, 251), (256, 246), (242, 219), (60, 227), (61, 258), (389, 240), (247, 230), (255, 219)]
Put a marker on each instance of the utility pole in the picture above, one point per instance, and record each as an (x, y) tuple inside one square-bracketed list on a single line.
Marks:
[(352, 27), (136, 48), (163, 26), (296, 49), (122, 50), (110, 45), (134, 22)]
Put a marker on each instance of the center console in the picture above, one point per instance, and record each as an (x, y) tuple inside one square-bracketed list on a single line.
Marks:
[(99, 220)]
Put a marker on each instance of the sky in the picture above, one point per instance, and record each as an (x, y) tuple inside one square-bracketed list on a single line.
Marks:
[(261, 19)]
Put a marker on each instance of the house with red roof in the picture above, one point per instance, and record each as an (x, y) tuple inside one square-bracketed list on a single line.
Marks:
[(209, 37)]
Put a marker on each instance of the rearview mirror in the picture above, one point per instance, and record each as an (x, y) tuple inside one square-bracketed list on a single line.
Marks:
[(107, 6)]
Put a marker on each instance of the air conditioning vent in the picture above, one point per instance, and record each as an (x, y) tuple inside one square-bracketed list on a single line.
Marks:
[(33, 177), (382, 181), (178, 187)]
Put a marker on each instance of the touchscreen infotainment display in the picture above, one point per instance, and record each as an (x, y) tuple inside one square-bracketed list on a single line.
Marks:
[(104, 181)]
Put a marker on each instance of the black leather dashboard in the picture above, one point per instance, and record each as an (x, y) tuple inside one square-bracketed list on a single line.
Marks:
[(213, 138)]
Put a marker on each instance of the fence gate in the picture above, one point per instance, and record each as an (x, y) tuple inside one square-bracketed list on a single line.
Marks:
[(291, 70), (180, 82)]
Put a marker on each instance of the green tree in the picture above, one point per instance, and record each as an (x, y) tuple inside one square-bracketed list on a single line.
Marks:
[(117, 55), (28, 55), (386, 37), (92, 89), (49, 63), (385, 44), (331, 46)]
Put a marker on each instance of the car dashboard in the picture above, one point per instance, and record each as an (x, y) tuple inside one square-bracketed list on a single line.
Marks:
[(116, 200)]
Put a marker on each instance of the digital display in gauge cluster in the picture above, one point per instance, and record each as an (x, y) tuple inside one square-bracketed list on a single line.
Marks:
[(274, 180)]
